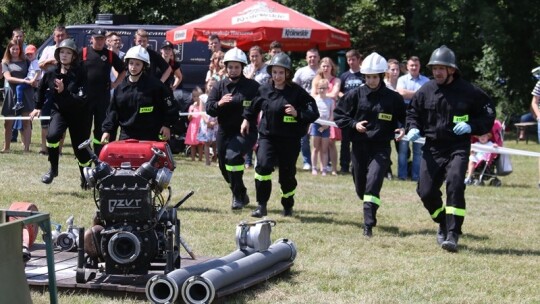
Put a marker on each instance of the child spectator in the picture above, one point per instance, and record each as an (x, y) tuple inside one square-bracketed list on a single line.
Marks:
[(34, 73), (478, 157), (321, 133), (208, 126), (216, 68), (194, 118)]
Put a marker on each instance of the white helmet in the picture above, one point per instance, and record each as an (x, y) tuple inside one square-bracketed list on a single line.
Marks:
[(137, 52), (374, 64), (235, 54)]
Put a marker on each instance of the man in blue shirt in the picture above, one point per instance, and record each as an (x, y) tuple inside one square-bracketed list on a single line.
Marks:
[(407, 85), (350, 80)]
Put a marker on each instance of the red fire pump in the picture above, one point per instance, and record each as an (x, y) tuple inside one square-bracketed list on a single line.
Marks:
[(134, 227)]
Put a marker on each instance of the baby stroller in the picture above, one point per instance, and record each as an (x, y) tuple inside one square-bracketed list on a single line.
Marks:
[(496, 164)]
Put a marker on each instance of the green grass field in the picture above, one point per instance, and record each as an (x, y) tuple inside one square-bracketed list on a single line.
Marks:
[(498, 260)]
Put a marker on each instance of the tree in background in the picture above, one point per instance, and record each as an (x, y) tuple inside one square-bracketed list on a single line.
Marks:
[(496, 42)]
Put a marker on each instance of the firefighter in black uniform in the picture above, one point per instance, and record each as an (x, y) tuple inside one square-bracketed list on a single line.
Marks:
[(97, 61), (142, 105), (373, 113), (287, 110), (67, 86), (447, 111), (227, 101)]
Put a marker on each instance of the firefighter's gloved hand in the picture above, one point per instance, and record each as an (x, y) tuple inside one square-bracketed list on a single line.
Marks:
[(413, 134), (462, 128)]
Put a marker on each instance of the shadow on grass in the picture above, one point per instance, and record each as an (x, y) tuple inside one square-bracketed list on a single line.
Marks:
[(199, 209), (503, 251), (403, 233), (79, 193)]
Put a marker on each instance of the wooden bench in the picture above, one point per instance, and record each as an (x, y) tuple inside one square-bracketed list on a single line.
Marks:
[(524, 126)]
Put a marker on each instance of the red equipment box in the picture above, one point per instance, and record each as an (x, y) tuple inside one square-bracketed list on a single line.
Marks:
[(136, 152)]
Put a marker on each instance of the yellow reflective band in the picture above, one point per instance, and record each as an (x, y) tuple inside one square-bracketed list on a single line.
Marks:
[(463, 118), (246, 103), (96, 141), (263, 178), (86, 164), (52, 145), (287, 195), (372, 199), (384, 116), (146, 109), (436, 213), (289, 119), (455, 211), (234, 168)]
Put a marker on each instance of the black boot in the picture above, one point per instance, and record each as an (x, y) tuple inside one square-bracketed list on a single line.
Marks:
[(48, 177), (84, 184), (287, 204), (441, 233), (260, 211), (451, 242), (368, 231), (54, 155), (239, 202)]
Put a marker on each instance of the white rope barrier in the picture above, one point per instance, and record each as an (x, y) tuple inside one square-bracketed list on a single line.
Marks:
[(474, 147), (24, 118)]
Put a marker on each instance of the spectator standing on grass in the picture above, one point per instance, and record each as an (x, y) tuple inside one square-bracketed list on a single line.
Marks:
[(390, 79), (274, 49), (256, 70), (14, 69), (114, 43), (214, 43), (194, 118), (328, 70), (65, 87), (208, 127), (17, 35), (304, 77), (321, 133), (34, 75), (374, 113), (287, 110), (48, 63), (407, 85), (447, 111), (158, 66), (392, 74), (350, 79), (167, 52), (227, 101), (216, 69), (534, 114), (98, 61)]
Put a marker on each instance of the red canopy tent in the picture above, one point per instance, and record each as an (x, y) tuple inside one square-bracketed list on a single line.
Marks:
[(259, 22)]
